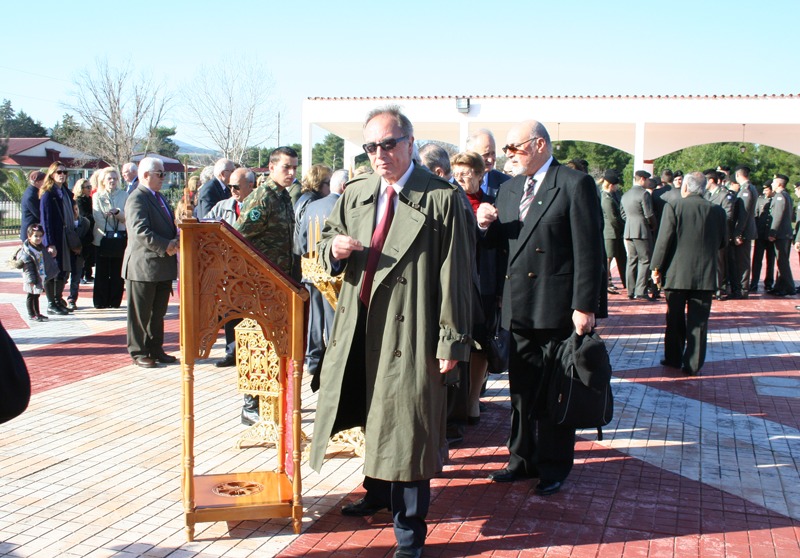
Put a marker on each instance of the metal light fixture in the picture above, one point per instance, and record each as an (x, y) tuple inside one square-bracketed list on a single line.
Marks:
[(742, 148), (462, 104)]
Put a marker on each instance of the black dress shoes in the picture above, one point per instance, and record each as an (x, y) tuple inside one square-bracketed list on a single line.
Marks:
[(229, 360), (145, 362), (164, 358), (548, 487), (54, 309), (689, 371), (643, 297), (408, 553), (664, 362), (362, 508), (506, 475)]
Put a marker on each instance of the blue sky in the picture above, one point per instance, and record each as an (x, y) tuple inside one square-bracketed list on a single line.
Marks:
[(353, 48)]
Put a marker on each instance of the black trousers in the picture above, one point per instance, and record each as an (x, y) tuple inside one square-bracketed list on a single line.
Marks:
[(785, 281), (409, 502), (108, 283), (722, 269), (687, 327), (761, 247), (638, 272), (536, 445), (740, 277), (230, 336), (147, 306)]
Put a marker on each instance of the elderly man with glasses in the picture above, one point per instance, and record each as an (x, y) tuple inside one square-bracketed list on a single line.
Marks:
[(150, 265), (399, 239), (548, 224)]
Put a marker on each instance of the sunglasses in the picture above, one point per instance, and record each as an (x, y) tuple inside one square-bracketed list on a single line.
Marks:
[(234, 186), (514, 148), (60, 172), (160, 174), (386, 145)]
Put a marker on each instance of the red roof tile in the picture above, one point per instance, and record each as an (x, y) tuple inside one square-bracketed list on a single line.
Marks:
[(16, 145)]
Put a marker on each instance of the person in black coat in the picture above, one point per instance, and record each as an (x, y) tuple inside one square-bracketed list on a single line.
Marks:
[(692, 232), (30, 203), (762, 246), (549, 227), (216, 189), (780, 235), (55, 208), (83, 197)]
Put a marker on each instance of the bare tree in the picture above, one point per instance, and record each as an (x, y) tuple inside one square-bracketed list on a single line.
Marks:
[(120, 110), (231, 104)]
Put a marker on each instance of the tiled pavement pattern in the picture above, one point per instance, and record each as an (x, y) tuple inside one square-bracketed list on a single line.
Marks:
[(689, 467)]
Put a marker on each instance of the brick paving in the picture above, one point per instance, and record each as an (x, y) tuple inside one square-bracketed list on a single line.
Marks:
[(704, 466)]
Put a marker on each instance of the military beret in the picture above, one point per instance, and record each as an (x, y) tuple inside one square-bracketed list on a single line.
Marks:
[(710, 172), (677, 173), (725, 168), (782, 177), (642, 174), (742, 167), (767, 183), (611, 176)]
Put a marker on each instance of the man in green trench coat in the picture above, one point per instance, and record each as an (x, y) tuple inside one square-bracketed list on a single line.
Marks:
[(400, 239)]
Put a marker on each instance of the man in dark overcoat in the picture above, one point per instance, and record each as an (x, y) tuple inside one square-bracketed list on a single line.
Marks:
[(780, 235), (399, 239), (692, 232), (636, 209), (548, 226)]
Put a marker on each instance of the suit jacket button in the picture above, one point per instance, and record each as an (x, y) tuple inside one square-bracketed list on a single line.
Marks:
[(401, 280), (506, 276), (334, 343), (540, 250), (505, 251), (397, 353), (532, 275), (342, 309), (399, 318)]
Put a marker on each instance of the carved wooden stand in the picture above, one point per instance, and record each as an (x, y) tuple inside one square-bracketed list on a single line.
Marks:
[(224, 278)]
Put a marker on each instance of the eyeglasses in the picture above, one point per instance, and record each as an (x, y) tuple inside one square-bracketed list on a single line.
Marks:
[(514, 148), (60, 172), (463, 174), (85, 187), (386, 145), (326, 183), (160, 174), (234, 186)]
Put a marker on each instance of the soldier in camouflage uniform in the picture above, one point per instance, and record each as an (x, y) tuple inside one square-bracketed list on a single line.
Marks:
[(267, 222)]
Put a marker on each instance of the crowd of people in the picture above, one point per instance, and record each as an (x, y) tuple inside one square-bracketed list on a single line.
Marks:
[(437, 253)]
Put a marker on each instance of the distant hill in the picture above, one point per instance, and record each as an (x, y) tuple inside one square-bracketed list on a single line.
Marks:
[(188, 149)]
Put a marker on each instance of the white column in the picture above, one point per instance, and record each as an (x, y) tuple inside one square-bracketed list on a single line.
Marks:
[(350, 152), (463, 133), (306, 142), (638, 148)]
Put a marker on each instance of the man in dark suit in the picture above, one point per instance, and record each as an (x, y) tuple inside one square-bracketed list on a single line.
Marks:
[(482, 142), (216, 189), (30, 203), (762, 246), (549, 225), (720, 195), (780, 235), (320, 311), (744, 233), (129, 173), (640, 222), (613, 227), (150, 265), (693, 230)]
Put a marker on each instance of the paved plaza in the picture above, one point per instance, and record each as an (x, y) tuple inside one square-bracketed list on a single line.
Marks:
[(690, 466)]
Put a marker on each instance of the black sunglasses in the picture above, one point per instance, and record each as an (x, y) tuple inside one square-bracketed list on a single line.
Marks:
[(386, 145), (60, 172), (234, 186), (160, 174)]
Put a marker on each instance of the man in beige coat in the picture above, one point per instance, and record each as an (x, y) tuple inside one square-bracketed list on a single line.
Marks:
[(399, 238)]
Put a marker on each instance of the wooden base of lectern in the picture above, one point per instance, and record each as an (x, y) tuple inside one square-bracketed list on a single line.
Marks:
[(242, 496)]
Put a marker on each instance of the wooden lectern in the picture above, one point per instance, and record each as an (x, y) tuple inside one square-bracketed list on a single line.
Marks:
[(222, 277)]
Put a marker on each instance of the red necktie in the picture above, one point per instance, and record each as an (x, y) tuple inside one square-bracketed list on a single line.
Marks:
[(236, 206), (376, 246)]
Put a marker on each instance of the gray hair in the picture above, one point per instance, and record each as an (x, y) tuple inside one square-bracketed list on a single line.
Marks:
[(222, 165), (394, 111), (695, 183), (251, 176), (206, 174), (539, 131), (434, 156), (131, 166), (338, 180), (149, 164), (475, 135)]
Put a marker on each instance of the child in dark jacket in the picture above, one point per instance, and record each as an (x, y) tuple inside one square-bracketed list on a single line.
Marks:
[(83, 229), (37, 266)]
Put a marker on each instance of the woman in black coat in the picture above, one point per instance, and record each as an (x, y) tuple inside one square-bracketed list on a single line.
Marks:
[(83, 196), (55, 207)]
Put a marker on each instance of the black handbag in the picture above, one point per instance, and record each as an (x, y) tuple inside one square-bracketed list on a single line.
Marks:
[(73, 240), (579, 394), (114, 242), (499, 346)]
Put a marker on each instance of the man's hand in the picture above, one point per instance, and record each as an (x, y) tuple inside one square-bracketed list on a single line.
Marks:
[(173, 247), (771, 239), (446, 365), (797, 246), (737, 241), (584, 321), (487, 213), (342, 246), (656, 276), (52, 250)]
